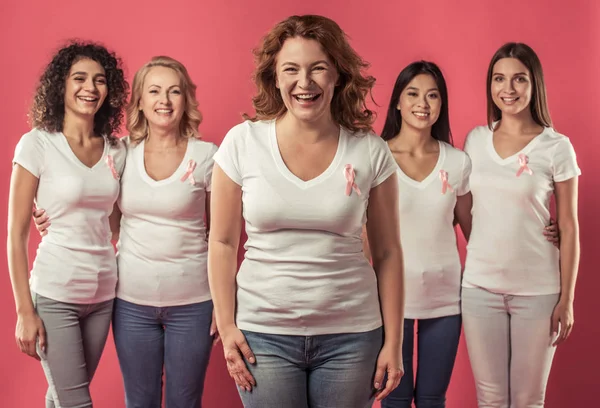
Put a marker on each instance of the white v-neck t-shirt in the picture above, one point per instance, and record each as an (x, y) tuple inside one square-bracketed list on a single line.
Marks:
[(304, 272), (162, 248), (432, 268), (75, 261), (507, 252)]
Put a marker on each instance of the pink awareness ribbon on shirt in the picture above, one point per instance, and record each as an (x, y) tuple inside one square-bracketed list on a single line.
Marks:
[(189, 173), (445, 184), (350, 184), (523, 160), (111, 165)]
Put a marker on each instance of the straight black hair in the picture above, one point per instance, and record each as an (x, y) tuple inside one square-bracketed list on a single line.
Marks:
[(393, 121)]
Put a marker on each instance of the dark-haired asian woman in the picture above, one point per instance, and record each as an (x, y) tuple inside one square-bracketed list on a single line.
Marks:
[(433, 181)]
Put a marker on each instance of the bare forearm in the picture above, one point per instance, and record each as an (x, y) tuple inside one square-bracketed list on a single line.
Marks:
[(465, 224), (222, 268), (365, 244), (390, 281), (569, 261), (462, 214), (115, 223), (18, 266)]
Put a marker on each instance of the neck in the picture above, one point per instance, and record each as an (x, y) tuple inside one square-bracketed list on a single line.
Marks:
[(78, 128), (308, 132), (162, 138), (413, 139), (518, 124)]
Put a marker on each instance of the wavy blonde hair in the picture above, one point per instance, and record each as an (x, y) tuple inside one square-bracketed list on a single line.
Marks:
[(137, 125), (348, 107)]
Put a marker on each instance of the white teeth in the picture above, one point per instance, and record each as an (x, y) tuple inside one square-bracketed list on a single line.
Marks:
[(306, 96), (88, 99), (164, 111), (509, 99), (421, 114)]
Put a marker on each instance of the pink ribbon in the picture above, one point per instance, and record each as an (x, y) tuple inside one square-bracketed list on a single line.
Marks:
[(189, 172), (350, 185), (445, 184), (111, 165), (523, 160)]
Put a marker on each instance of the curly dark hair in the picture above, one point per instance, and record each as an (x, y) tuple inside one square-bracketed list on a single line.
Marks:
[(48, 108)]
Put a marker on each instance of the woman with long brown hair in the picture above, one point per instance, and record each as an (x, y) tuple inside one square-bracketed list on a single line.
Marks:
[(518, 289)]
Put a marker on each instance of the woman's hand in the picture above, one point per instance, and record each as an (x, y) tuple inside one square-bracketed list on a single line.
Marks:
[(236, 349), (390, 362), (29, 329), (41, 221), (563, 320), (551, 233), (214, 332)]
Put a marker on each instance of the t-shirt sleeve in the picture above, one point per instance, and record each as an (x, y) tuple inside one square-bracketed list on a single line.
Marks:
[(464, 186), (382, 160), (564, 161), (120, 155), (469, 141), (208, 166), (228, 154), (29, 153)]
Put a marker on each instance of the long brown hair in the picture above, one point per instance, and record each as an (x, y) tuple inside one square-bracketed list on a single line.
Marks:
[(348, 107), (539, 102)]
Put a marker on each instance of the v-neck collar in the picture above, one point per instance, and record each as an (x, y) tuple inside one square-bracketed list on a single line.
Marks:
[(285, 171), (432, 176)]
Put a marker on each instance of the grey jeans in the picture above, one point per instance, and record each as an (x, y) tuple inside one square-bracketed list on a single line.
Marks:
[(509, 341), (75, 338)]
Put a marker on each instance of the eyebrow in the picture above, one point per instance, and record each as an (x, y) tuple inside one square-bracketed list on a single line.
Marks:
[(158, 86), (518, 73), (296, 65), (85, 73), (417, 89)]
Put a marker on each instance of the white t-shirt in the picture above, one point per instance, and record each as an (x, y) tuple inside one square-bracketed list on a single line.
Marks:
[(162, 248), (507, 252), (75, 261), (432, 266), (304, 272)]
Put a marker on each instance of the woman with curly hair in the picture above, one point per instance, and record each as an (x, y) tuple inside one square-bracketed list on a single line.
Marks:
[(163, 311), (307, 311), (69, 164)]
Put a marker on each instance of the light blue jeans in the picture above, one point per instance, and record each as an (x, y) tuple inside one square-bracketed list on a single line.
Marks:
[(148, 338), (326, 371)]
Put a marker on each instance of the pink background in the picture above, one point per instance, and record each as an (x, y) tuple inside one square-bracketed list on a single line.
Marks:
[(213, 38)]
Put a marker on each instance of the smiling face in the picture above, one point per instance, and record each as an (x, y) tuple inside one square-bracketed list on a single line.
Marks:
[(306, 79), (420, 103), (162, 99), (85, 88), (511, 86)]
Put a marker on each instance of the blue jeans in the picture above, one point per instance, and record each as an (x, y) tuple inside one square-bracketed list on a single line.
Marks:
[(147, 337), (437, 347), (326, 371)]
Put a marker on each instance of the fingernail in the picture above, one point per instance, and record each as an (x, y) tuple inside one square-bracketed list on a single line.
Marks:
[(251, 359), (377, 385), (212, 332)]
